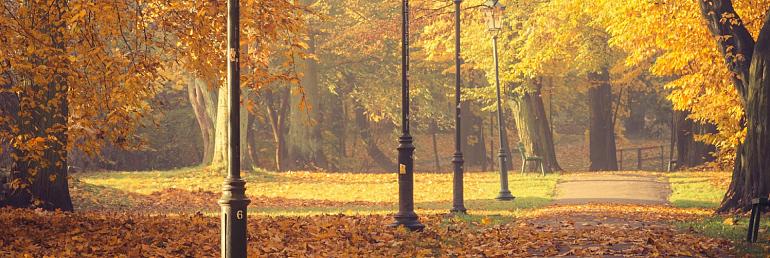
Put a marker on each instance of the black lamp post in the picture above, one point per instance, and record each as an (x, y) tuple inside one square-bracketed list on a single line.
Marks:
[(493, 11), (457, 160), (406, 216), (233, 201)]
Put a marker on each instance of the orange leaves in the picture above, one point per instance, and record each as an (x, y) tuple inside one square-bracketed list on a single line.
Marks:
[(577, 233)]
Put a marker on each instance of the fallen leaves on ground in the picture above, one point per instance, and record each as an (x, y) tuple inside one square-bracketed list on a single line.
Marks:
[(173, 200), (555, 232), (649, 213)]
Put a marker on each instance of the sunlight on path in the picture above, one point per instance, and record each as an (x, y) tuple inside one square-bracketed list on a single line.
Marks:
[(619, 187)]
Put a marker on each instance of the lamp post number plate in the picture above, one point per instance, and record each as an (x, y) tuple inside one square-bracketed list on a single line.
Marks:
[(401, 169), (239, 215)]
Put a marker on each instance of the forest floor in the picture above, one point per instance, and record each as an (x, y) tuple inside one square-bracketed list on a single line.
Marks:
[(174, 213)]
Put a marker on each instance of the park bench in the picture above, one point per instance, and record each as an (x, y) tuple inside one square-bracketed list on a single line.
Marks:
[(525, 159), (757, 206)]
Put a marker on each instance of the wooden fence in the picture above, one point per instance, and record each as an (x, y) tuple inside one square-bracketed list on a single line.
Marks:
[(641, 155)]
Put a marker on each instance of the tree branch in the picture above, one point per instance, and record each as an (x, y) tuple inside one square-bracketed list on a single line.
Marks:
[(733, 39)]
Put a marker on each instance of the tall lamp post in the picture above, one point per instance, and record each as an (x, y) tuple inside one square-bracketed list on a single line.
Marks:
[(457, 181), (233, 201), (406, 216), (493, 12)]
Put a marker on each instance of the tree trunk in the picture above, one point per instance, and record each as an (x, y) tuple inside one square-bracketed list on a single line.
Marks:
[(219, 156), (246, 162), (252, 138), (221, 141), (305, 148), (40, 176), (533, 127), (750, 62), (750, 175), (689, 152), (276, 113), (601, 130), (200, 100), (370, 144)]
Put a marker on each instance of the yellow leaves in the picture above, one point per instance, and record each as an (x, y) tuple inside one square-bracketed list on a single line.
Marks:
[(730, 221)]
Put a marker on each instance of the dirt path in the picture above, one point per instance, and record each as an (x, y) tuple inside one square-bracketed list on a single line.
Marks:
[(620, 188)]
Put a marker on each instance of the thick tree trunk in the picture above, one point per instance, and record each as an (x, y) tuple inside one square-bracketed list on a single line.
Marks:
[(219, 156), (750, 62), (246, 162), (40, 176), (750, 175), (601, 130), (370, 143), (200, 100), (305, 141), (533, 127), (689, 152), (221, 142)]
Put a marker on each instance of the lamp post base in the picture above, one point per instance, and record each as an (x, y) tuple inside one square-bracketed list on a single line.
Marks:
[(409, 221), (505, 196), (233, 218)]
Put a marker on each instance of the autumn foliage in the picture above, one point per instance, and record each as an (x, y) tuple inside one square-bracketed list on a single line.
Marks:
[(593, 230)]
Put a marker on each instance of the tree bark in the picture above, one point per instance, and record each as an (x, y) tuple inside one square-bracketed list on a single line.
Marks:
[(219, 156), (601, 129), (41, 181), (221, 141), (364, 129), (276, 113), (748, 60), (689, 152), (753, 159), (200, 100), (533, 127), (304, 141)]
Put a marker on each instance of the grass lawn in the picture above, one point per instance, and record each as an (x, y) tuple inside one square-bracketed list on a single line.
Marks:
[(349, 193), (705, 190), (697, 189)]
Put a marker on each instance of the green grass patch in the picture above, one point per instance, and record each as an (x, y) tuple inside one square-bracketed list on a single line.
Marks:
[(732, 228), (433, 191), (697, 189)]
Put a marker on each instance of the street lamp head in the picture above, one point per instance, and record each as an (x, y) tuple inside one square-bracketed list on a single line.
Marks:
[(493, 15)]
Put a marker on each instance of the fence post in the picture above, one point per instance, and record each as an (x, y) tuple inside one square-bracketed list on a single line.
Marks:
[(620, 161), (639, 159), (662, 161)]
